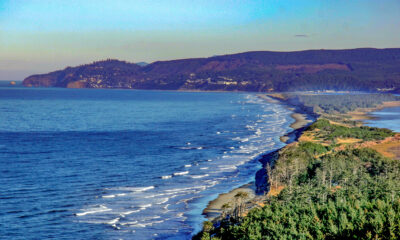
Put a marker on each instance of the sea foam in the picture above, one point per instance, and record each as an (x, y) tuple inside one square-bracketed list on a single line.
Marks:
[(181, 173)]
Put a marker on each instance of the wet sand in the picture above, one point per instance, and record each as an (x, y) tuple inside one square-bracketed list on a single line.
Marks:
[(300, 120)]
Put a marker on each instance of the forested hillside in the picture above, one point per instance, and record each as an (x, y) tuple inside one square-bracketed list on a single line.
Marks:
[(329, 185), (334, 103), (354, 70)]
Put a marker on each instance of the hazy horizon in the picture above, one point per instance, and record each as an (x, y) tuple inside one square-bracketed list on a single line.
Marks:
[(43, 36)]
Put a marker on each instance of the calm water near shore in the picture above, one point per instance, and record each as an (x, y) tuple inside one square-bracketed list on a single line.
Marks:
[(123, 164), (386, 118)]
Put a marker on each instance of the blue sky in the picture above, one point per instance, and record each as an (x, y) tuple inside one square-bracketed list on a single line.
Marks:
[(38, 36)]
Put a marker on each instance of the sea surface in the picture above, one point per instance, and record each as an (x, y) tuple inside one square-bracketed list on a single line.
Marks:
[(125, 164)]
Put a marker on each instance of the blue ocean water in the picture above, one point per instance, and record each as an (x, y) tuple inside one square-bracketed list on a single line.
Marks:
[(124, 164)]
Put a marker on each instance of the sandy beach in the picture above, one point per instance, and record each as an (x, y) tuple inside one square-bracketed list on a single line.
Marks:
[(300, 120), (214, 208)]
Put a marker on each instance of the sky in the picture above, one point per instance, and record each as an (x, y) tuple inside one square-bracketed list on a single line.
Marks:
[(38, 36)]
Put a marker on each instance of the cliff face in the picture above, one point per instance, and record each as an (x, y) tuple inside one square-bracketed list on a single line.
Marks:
[(40, 81), (357, 69)]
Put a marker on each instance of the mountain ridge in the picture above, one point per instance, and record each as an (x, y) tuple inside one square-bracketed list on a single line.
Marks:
[(362, 69)]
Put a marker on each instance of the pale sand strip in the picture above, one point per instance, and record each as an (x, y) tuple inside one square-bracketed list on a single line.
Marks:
[(213, 209), (300, 120)]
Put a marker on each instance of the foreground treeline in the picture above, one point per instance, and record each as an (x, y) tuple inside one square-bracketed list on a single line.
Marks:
[(330, 191)]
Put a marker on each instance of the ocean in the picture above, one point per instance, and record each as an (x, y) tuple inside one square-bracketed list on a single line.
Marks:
[(125, 164)]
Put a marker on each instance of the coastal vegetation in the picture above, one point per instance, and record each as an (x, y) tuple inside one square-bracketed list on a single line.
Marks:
[(328, 131), (326, 104), (342, 103), (324, 187), (344, 108)]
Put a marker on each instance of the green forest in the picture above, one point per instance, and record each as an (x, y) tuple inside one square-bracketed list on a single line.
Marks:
[(329, 192)]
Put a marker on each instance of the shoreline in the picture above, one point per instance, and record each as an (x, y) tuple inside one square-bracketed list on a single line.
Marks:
[(302, 119), (256, 189)]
